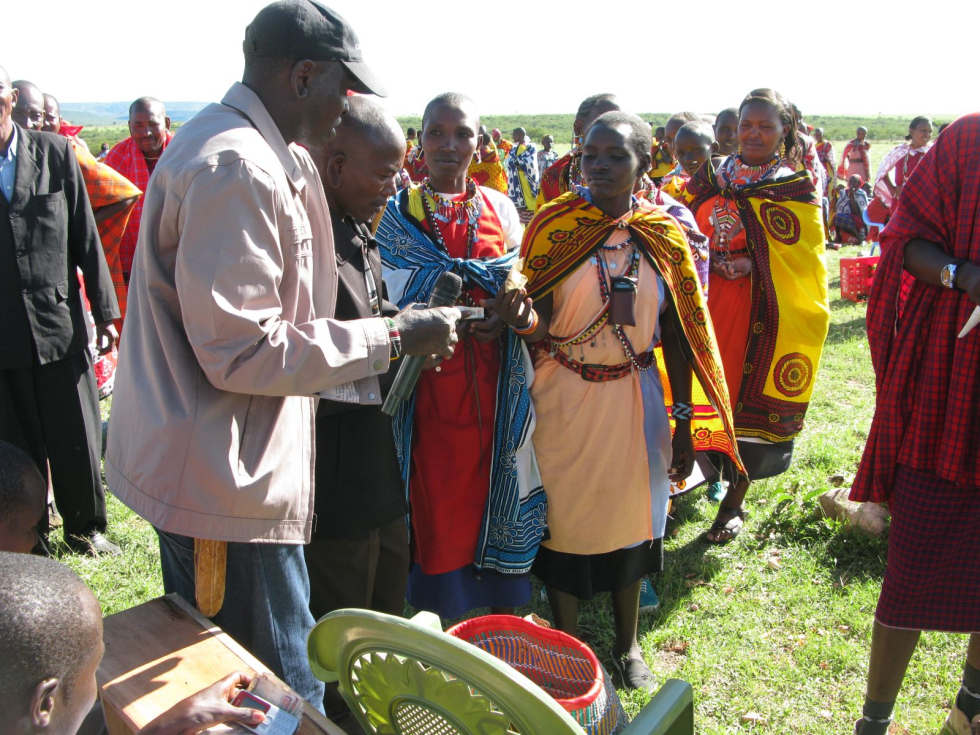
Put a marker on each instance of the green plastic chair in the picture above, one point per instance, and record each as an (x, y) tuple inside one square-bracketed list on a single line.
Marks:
[(407, 677)]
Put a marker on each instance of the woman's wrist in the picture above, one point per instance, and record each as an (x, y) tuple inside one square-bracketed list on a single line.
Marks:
[(530, 327)]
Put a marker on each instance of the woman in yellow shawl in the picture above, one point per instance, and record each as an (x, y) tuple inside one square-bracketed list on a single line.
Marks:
[(610, 276), (768, 287)]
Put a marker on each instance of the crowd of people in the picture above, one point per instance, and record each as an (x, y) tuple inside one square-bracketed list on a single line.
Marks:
[(651, 304)]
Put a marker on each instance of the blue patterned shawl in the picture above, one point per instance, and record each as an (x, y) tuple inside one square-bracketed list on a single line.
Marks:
[(515, 515)]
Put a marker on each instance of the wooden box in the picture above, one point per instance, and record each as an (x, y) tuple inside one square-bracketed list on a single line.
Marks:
[(161, 652)]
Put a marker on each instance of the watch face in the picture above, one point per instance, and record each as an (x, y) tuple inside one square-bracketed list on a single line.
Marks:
[(947, 275)]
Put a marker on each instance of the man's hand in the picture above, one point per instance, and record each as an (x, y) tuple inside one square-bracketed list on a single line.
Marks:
[(428, 331), (106, 337), (209, 707)]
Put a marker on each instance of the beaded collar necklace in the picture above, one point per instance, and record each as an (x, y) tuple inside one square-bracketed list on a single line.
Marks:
[(463, 211), (735, 172)]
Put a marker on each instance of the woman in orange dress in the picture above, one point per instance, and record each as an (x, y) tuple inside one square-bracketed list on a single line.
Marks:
[(609, 277)]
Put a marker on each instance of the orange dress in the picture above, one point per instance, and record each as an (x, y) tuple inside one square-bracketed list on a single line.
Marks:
[(606, 480), (730, 302)]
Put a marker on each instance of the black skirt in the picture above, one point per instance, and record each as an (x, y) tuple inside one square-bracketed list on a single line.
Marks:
[(584, 575)]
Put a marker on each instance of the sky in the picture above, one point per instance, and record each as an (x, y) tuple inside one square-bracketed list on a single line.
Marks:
[(532, 57)]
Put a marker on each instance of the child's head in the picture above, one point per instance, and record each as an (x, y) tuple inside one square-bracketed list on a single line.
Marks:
[(693, 145), (862, 133), (818, 135), (50, 645), (726, 131), (23, 500), (674, 123)]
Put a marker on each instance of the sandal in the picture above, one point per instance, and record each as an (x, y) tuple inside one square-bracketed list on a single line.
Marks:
[(733, 526), (634, 673)]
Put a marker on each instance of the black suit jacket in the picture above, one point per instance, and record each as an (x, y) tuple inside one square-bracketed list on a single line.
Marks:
[(46, 231), (358, 483)]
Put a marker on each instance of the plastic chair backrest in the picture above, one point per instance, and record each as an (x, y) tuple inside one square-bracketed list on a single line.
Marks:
[(869, 223), (408, 677)]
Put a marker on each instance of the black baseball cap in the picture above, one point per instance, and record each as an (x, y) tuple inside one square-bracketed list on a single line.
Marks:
[(306, 29)]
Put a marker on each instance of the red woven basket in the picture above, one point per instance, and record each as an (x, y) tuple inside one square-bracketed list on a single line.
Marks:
[(563, 666)]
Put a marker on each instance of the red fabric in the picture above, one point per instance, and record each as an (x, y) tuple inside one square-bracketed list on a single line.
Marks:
[(928, 381), (554, 181), (877, 212), (127, 158), (902, 173), (932, 581), (107, 187), (453, 432)]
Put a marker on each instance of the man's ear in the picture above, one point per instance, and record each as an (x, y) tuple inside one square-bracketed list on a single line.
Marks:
[(14, 96), (335, 170), (301, 76), (167, 122), (714, 147), (42, 703)]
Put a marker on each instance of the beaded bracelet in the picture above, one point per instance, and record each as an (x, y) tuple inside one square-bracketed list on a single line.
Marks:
[(531, 326), (681, 411), (395, 338)]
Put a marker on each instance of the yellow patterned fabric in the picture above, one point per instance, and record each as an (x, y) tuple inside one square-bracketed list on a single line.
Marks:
[(798, 274), (489, 172), (566, 232)]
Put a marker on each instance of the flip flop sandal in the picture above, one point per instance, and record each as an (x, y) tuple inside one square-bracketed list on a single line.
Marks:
[(727, 526), (634, 673)]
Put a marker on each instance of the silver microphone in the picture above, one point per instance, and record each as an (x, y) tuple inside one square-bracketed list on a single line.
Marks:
[(445, 293)]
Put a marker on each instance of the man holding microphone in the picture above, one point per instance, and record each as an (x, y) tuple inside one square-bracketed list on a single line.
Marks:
[(230, 336)]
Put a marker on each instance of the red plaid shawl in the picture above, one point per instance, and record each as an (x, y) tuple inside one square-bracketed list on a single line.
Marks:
[(928, 381), (127, 158), (105, 187)]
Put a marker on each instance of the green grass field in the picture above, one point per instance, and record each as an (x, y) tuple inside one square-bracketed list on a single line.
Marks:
[(772, 630)]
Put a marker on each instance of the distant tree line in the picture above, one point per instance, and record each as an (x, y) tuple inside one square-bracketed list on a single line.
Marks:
[(560, 126)]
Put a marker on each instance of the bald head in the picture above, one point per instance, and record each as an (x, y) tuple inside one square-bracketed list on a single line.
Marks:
[(50, 641), (358, 165), (29, 110), (147, 104)]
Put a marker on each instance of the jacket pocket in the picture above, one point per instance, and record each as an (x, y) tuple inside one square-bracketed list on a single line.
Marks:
[(47, 220)]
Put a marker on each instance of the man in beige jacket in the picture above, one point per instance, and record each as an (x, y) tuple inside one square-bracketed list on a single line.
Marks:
[(229, 338)]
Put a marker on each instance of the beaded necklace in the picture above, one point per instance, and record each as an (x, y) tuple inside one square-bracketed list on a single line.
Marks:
[(466, 210), (632, 270), (736, 173)]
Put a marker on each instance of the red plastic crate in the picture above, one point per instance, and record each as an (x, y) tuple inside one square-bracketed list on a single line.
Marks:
[(856, 275)]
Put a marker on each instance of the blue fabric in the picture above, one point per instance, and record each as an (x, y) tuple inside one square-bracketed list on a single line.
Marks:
[(266, 608), (8, 167), (512, 525), (454, 594)]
